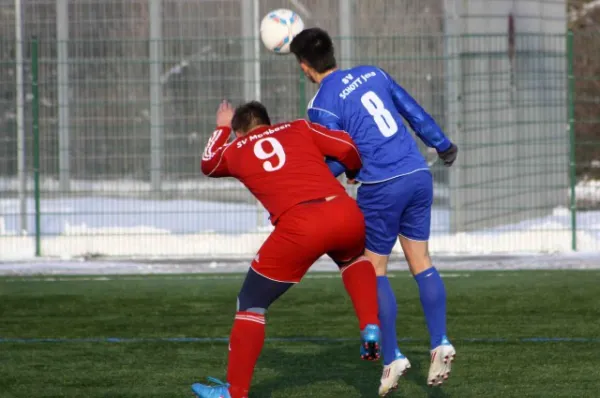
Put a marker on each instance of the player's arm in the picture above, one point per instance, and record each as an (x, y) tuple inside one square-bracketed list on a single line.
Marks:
[(332, 122), (214, 164), (420, 121), (337, 144)]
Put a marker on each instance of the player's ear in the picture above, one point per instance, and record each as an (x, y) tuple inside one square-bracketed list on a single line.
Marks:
[(305, 68), (309, 72)]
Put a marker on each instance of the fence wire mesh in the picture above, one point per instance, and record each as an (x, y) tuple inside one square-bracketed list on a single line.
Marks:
[(128, 93)]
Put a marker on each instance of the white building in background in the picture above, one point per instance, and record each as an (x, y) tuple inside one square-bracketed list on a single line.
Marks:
[(506, 106)]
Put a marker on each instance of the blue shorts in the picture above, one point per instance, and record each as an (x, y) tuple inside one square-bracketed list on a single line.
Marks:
[(401, 206)]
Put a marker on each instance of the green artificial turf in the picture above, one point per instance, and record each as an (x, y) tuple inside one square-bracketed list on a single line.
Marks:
[(490, 317)]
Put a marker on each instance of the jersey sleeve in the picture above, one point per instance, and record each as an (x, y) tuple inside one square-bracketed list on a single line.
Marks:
[(330, 120), (324, 117), (335, 167), (214, 163), (338, 145), (419, 120)]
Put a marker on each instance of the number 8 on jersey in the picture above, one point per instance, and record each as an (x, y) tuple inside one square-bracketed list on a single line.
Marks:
[(384, 119)]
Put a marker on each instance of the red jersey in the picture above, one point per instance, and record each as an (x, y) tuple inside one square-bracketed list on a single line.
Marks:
[(283, 164)]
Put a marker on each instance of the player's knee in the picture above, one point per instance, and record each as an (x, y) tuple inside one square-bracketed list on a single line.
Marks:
[(258, 293), (244, 305), (252, 301), (379, 262), (380, 269), (416, 254)]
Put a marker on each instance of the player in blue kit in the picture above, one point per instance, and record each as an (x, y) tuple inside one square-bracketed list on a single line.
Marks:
[(396, 192)]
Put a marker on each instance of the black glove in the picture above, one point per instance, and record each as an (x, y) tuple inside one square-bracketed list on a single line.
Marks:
[(449, 155), (351, 174)]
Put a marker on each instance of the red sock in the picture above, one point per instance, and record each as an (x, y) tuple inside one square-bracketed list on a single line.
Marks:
[(361, 284), (245, 344)]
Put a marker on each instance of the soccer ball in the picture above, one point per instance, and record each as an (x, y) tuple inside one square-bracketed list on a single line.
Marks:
[(278, 28)]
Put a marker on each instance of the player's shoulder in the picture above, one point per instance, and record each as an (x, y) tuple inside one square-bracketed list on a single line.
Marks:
[(322, 105), (306, 126), (291, 127), (370, 76), (320, 99), (298, 130), (361, 70), (301, 125)]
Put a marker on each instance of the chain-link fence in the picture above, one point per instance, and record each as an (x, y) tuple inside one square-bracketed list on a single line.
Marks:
[(128, 90)]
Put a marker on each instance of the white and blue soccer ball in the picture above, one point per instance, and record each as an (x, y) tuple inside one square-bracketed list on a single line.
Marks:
[(278, 28)]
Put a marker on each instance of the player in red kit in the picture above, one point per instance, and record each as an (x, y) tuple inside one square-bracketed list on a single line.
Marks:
[(283, 166)]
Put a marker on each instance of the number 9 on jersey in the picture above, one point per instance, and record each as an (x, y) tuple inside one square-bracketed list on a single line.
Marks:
[(262, 153)]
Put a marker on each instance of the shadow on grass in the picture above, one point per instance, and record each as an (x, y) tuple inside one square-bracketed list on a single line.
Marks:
[(303, 366)]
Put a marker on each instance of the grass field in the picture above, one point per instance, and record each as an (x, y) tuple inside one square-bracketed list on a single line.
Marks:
[(496, 319)]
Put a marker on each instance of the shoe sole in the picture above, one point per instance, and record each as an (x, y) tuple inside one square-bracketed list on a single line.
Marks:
[(371, 351)]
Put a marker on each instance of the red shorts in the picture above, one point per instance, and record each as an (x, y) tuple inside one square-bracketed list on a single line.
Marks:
[(308, 231)]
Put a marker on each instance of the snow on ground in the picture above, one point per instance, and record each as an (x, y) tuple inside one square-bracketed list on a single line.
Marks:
[(550, 234), (125, 227), (56, 270), (133, 187), (199, 188), (120, 186), (585, 9), (107, 215), (588, 191)]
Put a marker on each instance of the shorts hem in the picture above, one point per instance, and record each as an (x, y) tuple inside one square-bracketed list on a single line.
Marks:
[(379, 254), (413, 239), (271, 279)]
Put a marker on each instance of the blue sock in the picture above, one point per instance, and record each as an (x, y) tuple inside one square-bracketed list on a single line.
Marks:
[(387, 319), (433, 300)]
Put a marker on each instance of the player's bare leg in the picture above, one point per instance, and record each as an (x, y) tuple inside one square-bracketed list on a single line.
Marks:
[(433, 299), (395, 364)]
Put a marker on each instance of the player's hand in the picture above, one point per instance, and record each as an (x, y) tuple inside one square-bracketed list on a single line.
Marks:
[(224, 114), (351, 177), (449, 155)]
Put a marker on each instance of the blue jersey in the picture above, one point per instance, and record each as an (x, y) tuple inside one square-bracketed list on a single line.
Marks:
[(367, 103)]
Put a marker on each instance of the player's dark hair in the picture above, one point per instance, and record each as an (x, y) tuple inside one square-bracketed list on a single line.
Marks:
[(249, 115), (314, 47)]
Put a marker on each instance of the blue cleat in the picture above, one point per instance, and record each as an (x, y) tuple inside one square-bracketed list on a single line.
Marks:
[(220, 390), (370, 338)]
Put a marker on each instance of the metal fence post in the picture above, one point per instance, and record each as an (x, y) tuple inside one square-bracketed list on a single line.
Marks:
[(346, 23), (156, 95), (36, 141), (21, 164), (572, 140), (62, 67), (302, 95)]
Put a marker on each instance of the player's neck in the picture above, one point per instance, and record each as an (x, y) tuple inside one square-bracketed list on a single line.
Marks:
[(256, 127), (319, 77)]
